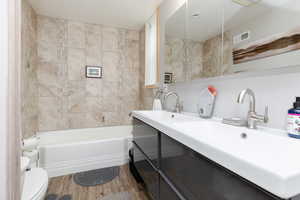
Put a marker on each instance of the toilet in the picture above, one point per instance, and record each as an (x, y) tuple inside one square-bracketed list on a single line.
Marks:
[(34, 181)]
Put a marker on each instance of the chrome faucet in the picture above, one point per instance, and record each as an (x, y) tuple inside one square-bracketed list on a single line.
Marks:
[(252, 117), (178, 107)]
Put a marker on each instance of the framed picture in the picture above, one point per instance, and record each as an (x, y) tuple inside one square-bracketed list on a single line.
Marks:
[(168, 78), (93, 72)]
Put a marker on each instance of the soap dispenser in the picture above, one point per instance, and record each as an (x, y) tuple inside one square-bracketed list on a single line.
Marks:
[(293, 120), (207, 102)]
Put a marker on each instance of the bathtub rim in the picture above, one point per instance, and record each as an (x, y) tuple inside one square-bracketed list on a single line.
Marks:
[(79, 131), (82, 163), (84, 142)]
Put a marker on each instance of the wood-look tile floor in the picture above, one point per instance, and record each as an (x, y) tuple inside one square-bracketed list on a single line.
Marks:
[(125, 182)]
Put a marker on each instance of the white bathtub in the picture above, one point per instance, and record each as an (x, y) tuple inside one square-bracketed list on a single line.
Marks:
[(70, 151)]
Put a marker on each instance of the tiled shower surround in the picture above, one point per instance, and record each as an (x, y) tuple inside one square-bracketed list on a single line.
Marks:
[(66, 98), (29, 89), (69, 100)]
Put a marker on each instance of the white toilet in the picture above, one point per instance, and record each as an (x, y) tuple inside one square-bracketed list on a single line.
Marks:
[(34, 182)]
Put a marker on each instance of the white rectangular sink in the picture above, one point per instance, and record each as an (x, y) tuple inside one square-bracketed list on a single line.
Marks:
[(168, 117), (268, 160)]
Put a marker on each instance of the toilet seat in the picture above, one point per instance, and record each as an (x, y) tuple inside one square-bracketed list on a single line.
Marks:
[(35, 184)]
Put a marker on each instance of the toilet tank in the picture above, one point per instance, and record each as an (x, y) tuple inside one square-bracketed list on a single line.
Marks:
[(24, 166)]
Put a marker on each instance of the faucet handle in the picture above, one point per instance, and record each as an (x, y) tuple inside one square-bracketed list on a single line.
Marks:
[(181, 105), (266, 115)]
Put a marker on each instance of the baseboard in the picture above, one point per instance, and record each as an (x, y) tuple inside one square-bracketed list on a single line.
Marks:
[(75, 166)]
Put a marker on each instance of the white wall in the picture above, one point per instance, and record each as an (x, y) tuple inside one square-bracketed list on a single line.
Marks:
[(276, 91), (3, 96)]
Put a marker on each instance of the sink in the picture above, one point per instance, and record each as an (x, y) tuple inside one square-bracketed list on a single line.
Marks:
[(168, 117), (222, 136), (212, 129), (240, 141), (215, 129)]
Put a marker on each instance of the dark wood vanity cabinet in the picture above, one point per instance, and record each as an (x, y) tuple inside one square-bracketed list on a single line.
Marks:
[(166, 192), (147, 172), (183, 170), (145, 157), (146, 139), (172, 171), (196, 177)]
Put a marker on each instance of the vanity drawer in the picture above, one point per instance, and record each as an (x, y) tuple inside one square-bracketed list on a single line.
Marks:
[(166, 192), (147, 172), (146, 138), (182, 170), (196, 177)]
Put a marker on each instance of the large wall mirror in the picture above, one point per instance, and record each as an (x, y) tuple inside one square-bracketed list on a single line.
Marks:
[(215, 38)]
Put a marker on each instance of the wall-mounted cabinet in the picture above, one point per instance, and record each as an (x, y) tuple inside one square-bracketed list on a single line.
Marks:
[(152, 51), (205, 39)]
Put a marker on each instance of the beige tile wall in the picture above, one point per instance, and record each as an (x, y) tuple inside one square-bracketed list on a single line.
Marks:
[(29, 85), (183, 58), (55, 93), (66, 98), (212, 57), (217, 61), (189, 60)]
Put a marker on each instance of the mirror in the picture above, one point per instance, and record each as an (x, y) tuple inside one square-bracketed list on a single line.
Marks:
[(214, 38), (175, 52), (192, 50)]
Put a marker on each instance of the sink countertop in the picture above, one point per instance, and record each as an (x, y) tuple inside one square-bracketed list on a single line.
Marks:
[(266, 157)]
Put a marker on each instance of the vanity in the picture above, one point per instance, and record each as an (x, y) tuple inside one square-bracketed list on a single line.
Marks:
[(178, 156), (184, 157)]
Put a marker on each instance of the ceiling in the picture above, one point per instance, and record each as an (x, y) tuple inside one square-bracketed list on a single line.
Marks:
[(130, 14)]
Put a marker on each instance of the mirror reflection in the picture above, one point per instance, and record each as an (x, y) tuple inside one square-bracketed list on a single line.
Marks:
[(262, 34), (220, 37), (192, 50)]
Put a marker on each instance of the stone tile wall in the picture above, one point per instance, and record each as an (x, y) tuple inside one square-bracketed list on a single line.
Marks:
[(69, 100), (29, 91), (217, 61), (183, 58), (189, 60), (212, 57)]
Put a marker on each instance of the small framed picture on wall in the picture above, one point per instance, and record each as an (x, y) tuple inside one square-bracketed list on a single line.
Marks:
[(168, 78), (93, 72)]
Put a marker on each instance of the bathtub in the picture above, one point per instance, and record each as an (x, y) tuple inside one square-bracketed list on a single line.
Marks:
[(70, 151)]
